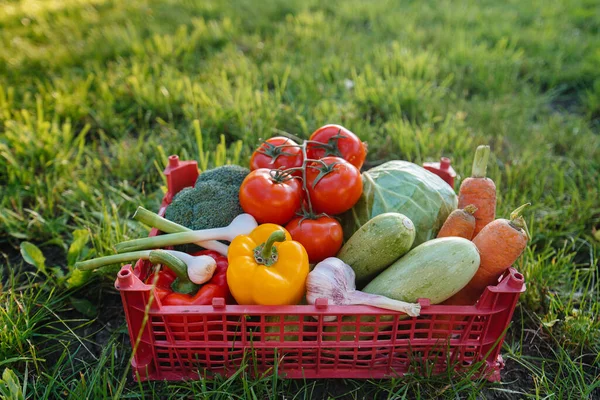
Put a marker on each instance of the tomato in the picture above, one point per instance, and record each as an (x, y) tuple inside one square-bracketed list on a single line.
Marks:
[(339, 142), (333, 188), (270, 196), (268, 155), (321, 237)]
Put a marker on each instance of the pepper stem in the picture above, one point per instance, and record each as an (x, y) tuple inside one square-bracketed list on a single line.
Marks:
[(182, 284), (266, 253), (480, 162)]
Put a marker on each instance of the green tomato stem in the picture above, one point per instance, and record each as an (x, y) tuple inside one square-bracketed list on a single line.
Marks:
[(304, 187), (288, 145), (306, 160)]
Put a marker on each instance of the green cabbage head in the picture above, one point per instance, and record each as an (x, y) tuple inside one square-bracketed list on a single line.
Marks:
[(406, 188)]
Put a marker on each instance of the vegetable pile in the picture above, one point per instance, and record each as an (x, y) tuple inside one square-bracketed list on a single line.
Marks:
[(396, 231)]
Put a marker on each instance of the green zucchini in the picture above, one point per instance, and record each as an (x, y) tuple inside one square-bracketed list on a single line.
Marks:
[(436, 269), (377, 244)]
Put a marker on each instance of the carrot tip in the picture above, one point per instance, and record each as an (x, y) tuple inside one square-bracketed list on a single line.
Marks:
[(480, 162), (471, 209), (516, 219), (517, 213)]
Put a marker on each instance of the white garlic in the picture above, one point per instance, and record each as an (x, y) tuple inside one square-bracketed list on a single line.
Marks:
[(335, 280), (201, 269)]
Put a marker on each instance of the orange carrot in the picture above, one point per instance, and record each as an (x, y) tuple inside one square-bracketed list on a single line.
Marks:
[(500, 243), (479, 191), (459, 223)]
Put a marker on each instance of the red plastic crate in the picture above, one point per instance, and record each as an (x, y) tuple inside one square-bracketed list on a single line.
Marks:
[(178, 342)]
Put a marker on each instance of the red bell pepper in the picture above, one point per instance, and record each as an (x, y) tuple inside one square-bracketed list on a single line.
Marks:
[(215, 287), (164, 279)]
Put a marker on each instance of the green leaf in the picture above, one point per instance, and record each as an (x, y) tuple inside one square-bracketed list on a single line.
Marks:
[(33, 255), (84, 306), (18, 235), (78, 278), (80, 239), (10, 387), (550, 324), (57, 273), (56, 242)]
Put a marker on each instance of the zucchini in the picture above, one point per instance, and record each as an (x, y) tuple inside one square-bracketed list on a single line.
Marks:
[(436, 270), (377, 244)]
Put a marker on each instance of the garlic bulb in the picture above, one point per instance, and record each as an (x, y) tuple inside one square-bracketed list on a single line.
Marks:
[(198, 269), (335, 280), (201, 269)]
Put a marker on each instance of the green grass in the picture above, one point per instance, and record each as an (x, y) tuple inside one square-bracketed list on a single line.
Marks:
[(95, 94)]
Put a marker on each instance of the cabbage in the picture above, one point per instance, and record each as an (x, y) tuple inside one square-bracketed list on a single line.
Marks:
[(405, 188)]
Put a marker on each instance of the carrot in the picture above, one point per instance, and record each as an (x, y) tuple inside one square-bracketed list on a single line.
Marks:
[(500, 243), (459, 223), (479, 191)]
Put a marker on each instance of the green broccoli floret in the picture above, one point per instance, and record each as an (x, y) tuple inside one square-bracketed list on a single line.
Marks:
[(212, 203), (231, 175)]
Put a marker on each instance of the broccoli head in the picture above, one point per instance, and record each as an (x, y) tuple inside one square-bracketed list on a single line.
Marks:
[(212, 203), (230, 175)]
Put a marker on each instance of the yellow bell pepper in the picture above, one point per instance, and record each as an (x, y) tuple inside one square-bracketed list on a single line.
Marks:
[(267, 267)]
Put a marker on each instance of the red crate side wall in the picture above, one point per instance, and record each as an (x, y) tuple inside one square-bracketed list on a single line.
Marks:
[(135, 301), (217, 340)]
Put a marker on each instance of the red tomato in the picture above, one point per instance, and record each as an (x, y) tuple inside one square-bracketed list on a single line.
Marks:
[(268, 155), (321, 237), (339, 142), (334, 188), (269, 197)]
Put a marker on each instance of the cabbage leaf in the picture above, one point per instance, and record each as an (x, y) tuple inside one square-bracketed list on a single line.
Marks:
[(406, 188)]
